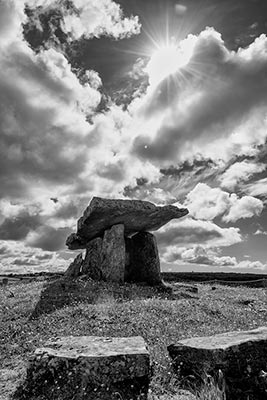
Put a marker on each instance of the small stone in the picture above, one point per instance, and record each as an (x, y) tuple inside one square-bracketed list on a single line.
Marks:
[(74, 269)]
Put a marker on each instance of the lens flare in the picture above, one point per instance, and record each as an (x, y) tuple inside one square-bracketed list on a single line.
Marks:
[(167, 60)]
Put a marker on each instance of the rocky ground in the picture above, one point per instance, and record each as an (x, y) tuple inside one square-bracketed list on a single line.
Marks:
[(33, 312)]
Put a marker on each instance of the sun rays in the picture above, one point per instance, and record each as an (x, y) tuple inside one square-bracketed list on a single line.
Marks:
[(167, 60)]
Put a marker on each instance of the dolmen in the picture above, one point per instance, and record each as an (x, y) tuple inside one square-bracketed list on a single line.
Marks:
[(119, 245)]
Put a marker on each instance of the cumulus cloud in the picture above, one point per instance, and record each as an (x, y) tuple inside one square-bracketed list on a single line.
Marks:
[(246, 207), (16, 257), (260, 232), (208, 257), (99, 17), (198, 255), (47, 144), (190, 232), (214, 106), (82, 19), (252, 265), (43, 121), (208, 203)]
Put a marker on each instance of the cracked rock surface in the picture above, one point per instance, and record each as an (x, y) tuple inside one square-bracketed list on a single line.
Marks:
[(135, 215)]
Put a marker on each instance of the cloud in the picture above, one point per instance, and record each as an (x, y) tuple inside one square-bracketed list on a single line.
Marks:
[(11, 18), (214, 106), (18, 227), (25, 262), (190, 232), (47, 144), (48, 238), (202, 256), (260, 232), (180, 10), (55, 144), (198, 255), (17, 258), (99, 17), (68, 21), (252, 265), (208, 203), (240, 172), (257, 188), (43, 122), (246, 207)]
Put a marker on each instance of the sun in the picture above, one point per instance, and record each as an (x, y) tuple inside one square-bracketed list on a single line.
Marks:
[(166, 60)]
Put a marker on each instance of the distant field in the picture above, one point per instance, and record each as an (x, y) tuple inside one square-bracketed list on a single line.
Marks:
[(253, 280), (89, 308), (167, 276)]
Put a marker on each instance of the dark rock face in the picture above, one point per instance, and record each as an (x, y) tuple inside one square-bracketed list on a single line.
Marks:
[(92, 262), (143, 259), (74, 242), (113, 254), (239, 357), (74, 269), (135, 215), (88, 367)]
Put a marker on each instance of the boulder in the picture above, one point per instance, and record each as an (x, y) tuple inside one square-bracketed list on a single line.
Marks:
[(143, 263), (113, 256), (238, 358), (88, 367), (135, 215), (92, 261), (75, 267), (75, 242)]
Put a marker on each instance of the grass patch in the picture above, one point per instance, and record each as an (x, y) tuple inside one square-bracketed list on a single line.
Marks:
[(90, 308)]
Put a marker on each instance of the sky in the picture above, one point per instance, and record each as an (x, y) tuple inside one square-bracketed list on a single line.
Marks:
[(156, 100)]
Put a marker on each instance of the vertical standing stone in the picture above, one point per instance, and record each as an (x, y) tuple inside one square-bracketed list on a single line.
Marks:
[(75, 267), (113, 254), (144, 264), (92, 262)]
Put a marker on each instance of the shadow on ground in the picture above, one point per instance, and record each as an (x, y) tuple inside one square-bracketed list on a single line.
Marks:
[(64, 292)]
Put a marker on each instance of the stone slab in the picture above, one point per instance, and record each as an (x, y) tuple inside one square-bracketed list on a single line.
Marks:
[(135, 215), (225, 340), (89, 367), (241, 356), (143, 259), (113, 255), (92, 262)]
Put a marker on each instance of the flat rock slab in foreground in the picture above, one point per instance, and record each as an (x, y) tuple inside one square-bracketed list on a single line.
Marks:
[(240, 356), (88, 367), (135, 215)]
